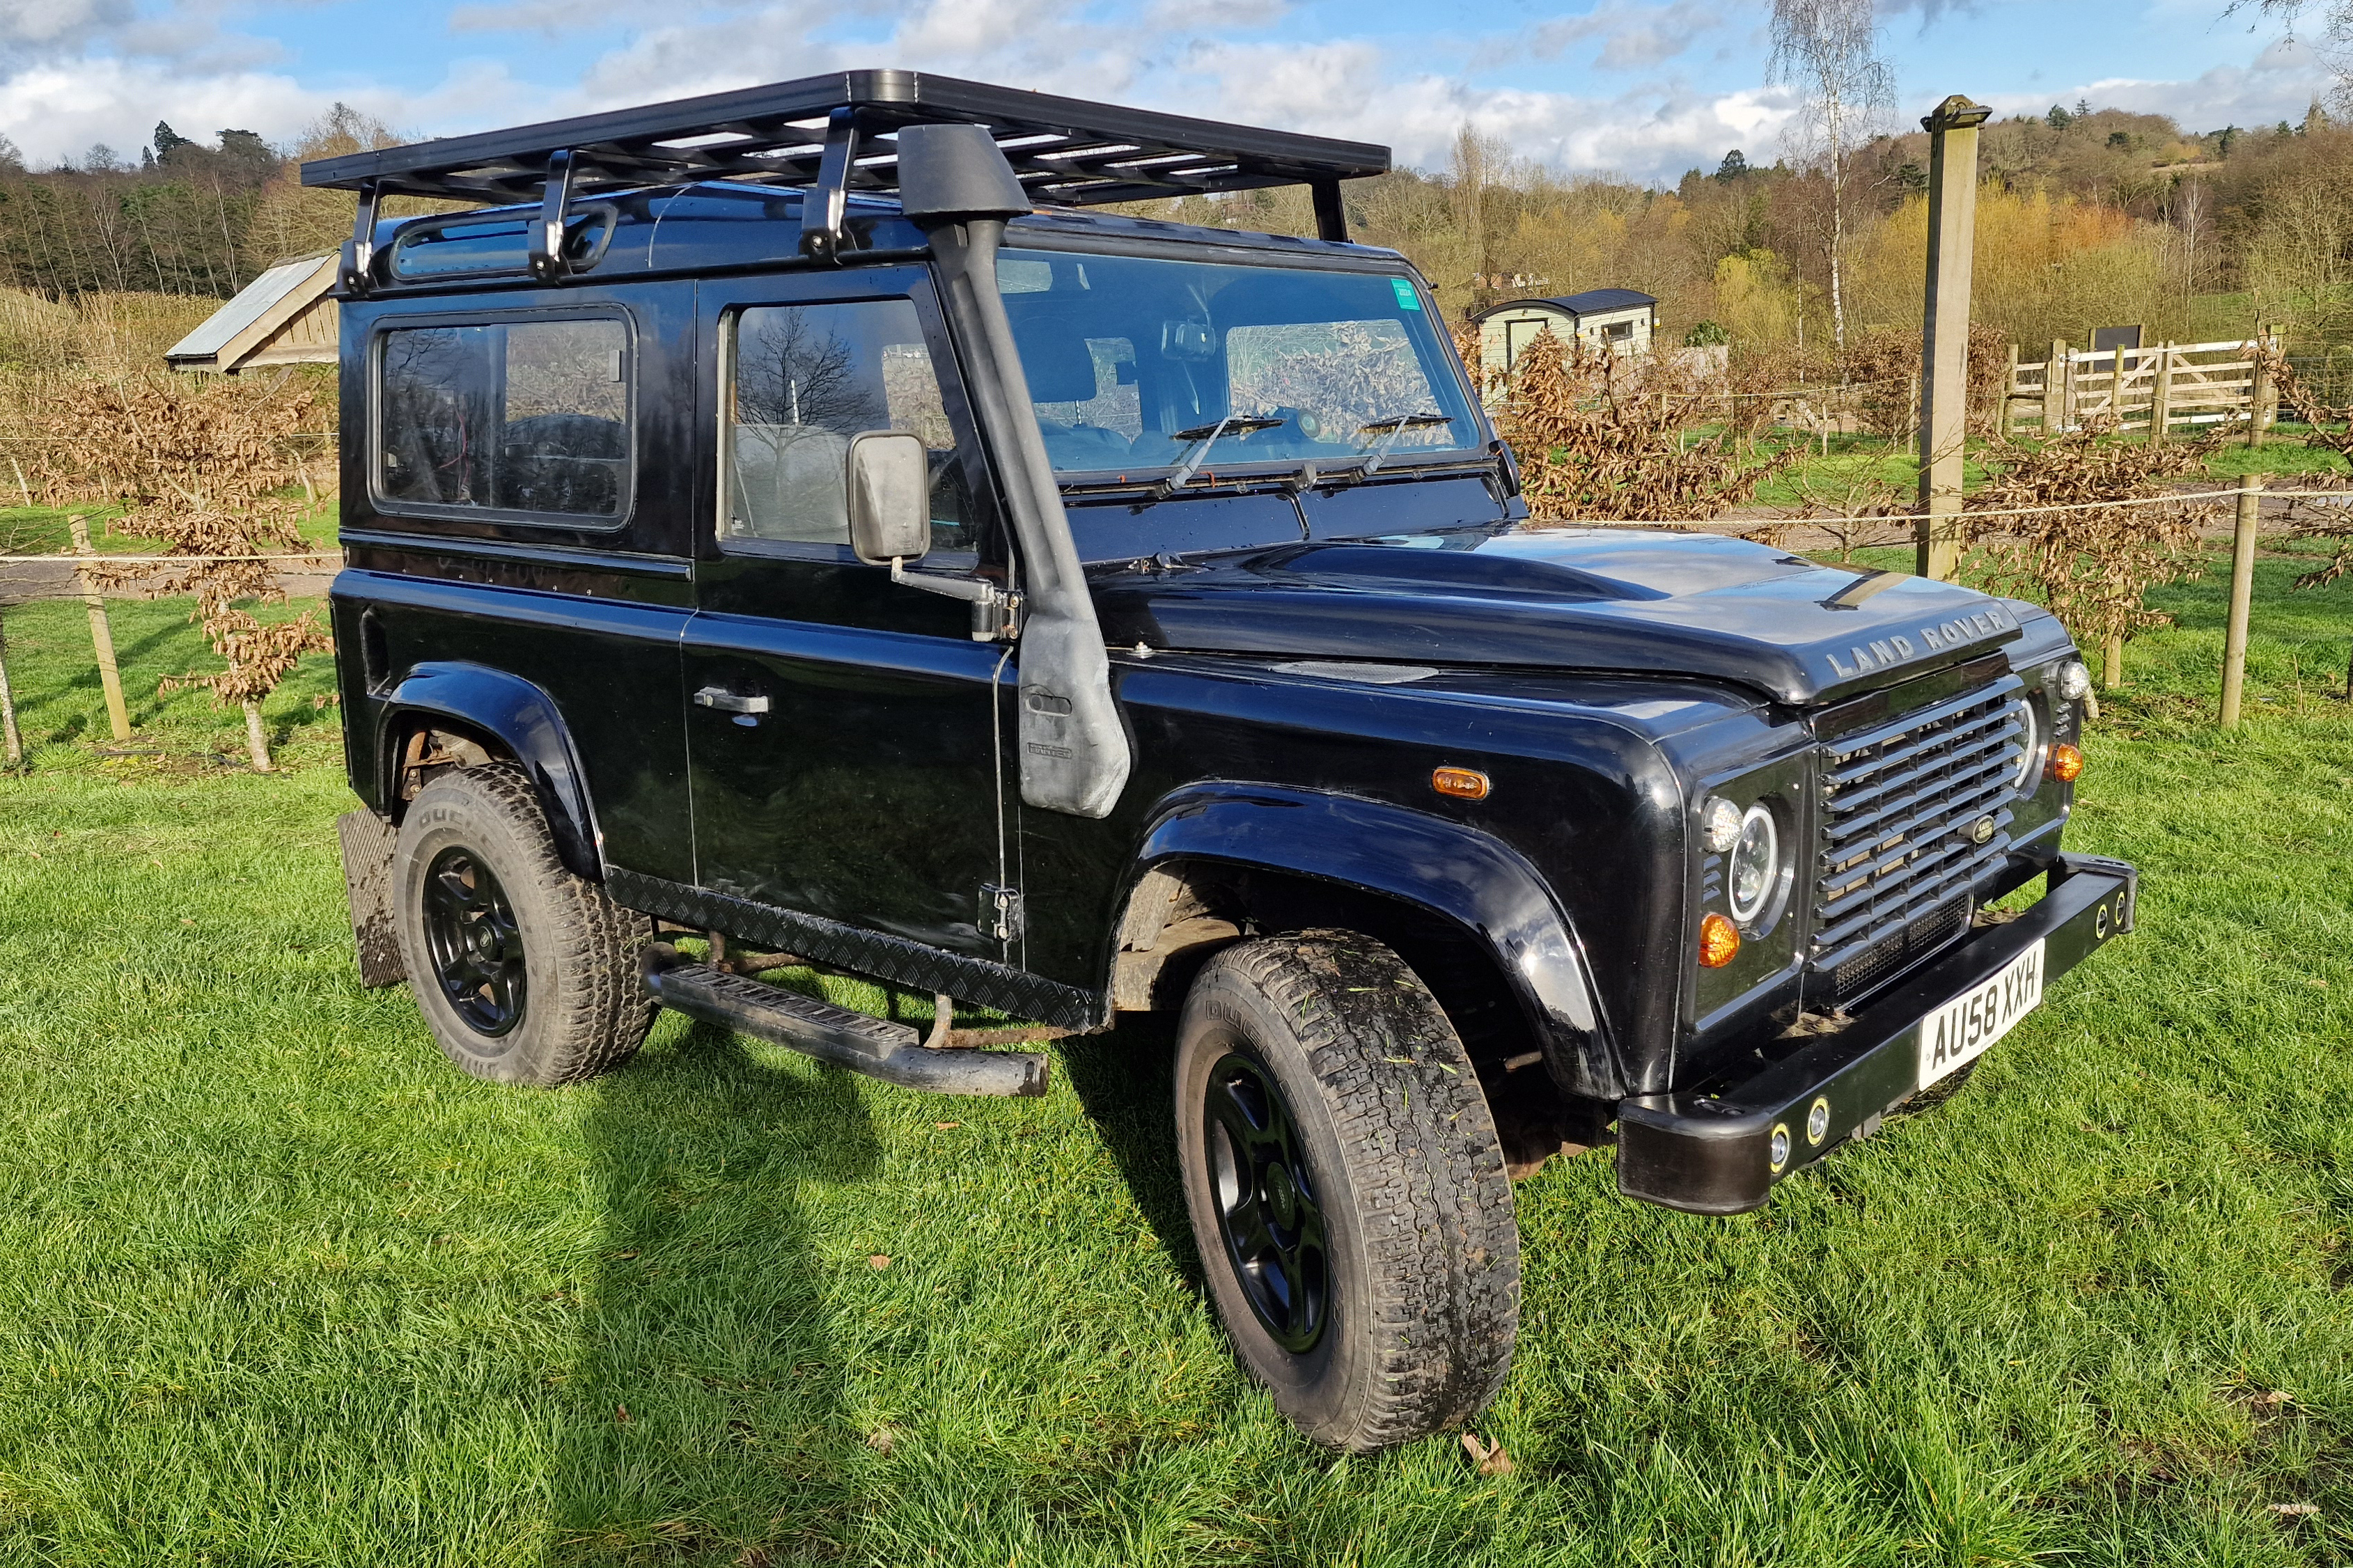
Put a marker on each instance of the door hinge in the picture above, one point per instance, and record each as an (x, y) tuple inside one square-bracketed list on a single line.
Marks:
[(1000, 912)]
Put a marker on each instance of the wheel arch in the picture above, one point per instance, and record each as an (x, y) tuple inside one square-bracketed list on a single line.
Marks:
[(1463, 909), (507, 716)]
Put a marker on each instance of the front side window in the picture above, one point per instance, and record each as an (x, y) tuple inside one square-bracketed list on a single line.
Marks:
[(804, 379), (1131, 359), (529, 416)]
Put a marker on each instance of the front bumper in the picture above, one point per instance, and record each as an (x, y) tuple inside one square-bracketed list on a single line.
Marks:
[(1708, 1151)]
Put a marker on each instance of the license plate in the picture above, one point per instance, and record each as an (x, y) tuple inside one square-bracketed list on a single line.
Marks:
[(1959, 1032)]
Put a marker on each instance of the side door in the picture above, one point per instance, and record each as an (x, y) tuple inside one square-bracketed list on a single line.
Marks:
[(841, 729), (512, 505)]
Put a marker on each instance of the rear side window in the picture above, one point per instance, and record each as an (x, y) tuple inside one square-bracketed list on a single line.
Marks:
[(524, 416)]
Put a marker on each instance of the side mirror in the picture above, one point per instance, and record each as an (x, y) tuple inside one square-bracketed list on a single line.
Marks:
[(887, 475)]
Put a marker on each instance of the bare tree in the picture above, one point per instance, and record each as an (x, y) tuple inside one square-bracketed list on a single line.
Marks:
[(1828, 49)]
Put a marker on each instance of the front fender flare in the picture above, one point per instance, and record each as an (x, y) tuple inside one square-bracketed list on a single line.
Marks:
[(519, 716), (1470, 879)]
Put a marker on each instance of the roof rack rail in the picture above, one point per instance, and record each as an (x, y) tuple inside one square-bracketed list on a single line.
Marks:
[(829, 135)]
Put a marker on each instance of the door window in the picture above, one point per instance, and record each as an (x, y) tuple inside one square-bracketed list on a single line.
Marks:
[(529, 416), (804, 379)]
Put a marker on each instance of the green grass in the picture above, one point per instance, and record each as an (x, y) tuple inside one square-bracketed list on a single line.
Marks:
[(284, 1287), (1857, 457), (48, 530)]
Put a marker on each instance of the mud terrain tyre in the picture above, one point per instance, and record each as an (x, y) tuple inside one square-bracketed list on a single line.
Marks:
[(1346, 1188), (525, 972)]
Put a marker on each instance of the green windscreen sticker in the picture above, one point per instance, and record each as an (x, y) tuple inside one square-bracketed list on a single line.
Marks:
[(1406, 298)]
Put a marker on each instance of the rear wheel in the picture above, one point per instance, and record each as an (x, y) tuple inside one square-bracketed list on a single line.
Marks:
[(525, 972), (1346, 1188)]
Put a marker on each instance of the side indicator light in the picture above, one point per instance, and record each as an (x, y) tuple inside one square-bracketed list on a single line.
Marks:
[(1460, 784), (2066, 764), (1719, 942)]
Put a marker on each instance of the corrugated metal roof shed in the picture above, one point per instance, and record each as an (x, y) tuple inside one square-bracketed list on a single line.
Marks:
[(286, 316)]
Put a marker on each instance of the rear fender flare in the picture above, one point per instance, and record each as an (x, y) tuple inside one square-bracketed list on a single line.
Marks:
[(1470, 879), (522, 719)]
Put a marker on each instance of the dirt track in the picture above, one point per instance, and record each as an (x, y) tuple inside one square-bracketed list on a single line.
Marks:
[(55, 580)]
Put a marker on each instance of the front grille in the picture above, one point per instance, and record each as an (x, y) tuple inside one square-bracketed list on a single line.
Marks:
[(1892, 955), (1898, 801)]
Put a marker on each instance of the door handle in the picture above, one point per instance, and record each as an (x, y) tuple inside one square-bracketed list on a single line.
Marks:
[(727, 702)]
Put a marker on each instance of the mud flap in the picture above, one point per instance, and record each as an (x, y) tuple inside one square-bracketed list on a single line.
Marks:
[(367, 879)]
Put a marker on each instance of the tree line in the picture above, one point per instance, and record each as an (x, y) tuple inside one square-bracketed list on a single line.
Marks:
[(182, 217)]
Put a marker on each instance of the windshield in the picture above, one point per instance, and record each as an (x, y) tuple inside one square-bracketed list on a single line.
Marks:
[(1133, 362)]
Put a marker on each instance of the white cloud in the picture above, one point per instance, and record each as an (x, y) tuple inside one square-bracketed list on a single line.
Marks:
[(1632, 36), (2279, 84), (74, 72)]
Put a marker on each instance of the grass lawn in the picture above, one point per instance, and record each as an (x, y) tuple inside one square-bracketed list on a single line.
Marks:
[(287, 1289)]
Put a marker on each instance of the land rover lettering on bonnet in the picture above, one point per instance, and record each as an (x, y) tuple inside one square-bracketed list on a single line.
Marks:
[(808, 526)]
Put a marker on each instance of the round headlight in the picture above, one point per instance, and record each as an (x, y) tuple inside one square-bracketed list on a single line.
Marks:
[(1720, 825), (2030, 737), (1756, 865), (2071, 679)]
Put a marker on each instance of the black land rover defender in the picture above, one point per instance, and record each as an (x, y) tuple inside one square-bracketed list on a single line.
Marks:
[(790, 516)]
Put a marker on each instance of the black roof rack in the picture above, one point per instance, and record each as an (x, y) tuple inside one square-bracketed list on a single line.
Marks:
[(825, 134)]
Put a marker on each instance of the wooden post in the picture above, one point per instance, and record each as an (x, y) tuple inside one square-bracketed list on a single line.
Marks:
[(2160, 407), (9, 734), (2054, 389), (2112, 663), (101, 636), (2263, 397), (2242, 592), (1945, 329), (2009, 391)]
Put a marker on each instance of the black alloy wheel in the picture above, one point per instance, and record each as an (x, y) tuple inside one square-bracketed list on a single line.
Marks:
[(1268, 1212), (1346, 1188), (474, 942)]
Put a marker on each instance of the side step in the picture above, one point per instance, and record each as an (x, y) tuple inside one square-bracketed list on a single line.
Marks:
[(893, 1052)]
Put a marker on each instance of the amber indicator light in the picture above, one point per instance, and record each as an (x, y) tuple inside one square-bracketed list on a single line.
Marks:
[(2066, 764), (1461, 784), (1719, 942)]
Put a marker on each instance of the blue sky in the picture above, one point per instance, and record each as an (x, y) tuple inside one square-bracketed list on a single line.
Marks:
[(1639, 87)]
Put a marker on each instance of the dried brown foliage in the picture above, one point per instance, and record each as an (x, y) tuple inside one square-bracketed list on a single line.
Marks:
[(2332, 431), (1882, 372), (1601, 437), (2092, 567), (203, 465)]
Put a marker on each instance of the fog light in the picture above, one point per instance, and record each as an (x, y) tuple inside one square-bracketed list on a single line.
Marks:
[(2072, 680), (1818, 1122), (1719, 940), (2066, 764), (1778, 1150)]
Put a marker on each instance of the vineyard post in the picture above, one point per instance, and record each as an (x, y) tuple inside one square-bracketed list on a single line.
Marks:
[(101, 636), (8, 731), (2242, 588), (2054, 389), (1945, 329)]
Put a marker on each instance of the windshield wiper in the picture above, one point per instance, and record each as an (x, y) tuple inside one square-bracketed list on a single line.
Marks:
[(1396, 424), (1204, 437)]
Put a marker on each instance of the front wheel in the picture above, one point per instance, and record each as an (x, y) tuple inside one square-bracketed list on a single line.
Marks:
[(1346, 1189), (526, 972)]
